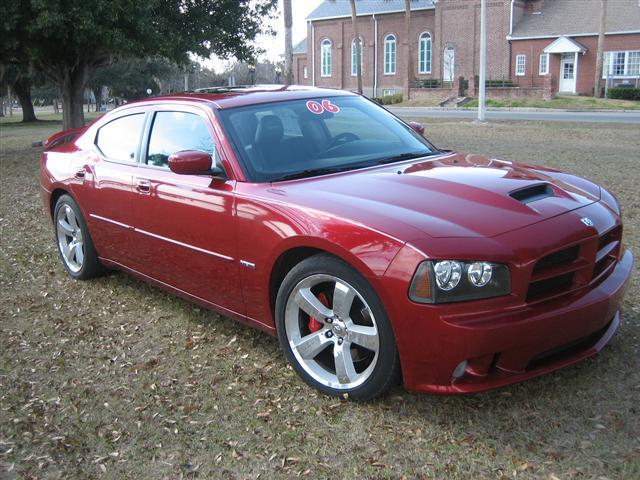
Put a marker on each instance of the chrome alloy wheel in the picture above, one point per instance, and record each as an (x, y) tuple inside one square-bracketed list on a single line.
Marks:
[(70, 240), (332, 332)]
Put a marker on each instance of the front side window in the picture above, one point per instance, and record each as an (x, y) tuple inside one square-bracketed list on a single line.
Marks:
[(325, 58), (424, 54), (390, 55), (354, 63), (173, 132), (118, 139), (520, 65), (544, 64), (285, 140)]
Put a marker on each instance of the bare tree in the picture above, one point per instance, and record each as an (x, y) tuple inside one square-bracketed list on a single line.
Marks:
[(288, 43), (599, 49), (407, 39), (358, 44)]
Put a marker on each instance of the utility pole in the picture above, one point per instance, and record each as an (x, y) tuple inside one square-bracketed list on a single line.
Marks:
[(600, 48), (358, 44), (483, 61), (288, 43)]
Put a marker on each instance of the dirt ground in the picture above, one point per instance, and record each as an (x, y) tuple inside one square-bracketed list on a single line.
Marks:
[(112, 378)]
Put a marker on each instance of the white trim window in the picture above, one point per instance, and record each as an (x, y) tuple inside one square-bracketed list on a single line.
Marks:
[(424, 53), (325, 58), (354, 71), (521, 65), (621, 64), (390, 54), (544, 64), (305, 72)]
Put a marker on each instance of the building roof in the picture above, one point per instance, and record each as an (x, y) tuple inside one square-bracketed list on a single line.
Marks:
[(342, 8), (569, 17), (300, 47)]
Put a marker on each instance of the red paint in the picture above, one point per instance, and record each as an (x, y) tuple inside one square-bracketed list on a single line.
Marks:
[(188, 233), (190, 162)]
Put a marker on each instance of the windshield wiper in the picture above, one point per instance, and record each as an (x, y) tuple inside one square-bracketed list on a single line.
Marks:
[(404, 156), (312, 172)]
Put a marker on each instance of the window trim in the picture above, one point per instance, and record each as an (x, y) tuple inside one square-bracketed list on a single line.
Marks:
[(429, 58), (137, 152), (546, 70), (354, 72), (524, 65), (609, 67), (389, 39), (326, 42)]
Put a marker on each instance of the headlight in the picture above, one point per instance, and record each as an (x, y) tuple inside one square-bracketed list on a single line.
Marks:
[(454, 281)]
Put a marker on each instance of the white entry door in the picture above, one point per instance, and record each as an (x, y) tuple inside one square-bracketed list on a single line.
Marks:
[(568, 73), (449, 64)]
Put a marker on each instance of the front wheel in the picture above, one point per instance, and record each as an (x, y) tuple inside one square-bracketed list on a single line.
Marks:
[(334, 330)]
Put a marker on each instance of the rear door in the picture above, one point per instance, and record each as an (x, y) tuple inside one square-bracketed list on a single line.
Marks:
[(184, 224), (103, 184)]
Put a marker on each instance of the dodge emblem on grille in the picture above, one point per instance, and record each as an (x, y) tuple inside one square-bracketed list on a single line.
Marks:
[(587, 221)]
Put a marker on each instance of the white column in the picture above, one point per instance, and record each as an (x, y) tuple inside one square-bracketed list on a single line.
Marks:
[(483, 60)]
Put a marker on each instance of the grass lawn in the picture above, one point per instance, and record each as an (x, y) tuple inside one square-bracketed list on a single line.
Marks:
[(569, 102), (112, 378)]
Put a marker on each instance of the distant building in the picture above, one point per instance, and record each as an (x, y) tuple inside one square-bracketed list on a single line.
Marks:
[(542, 46)]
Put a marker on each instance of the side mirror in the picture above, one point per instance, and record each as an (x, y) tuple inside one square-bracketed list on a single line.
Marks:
[(417, 127), (193, 162)]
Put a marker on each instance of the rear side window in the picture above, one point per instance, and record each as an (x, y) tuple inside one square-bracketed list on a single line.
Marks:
[(118, 139), (174, 132)]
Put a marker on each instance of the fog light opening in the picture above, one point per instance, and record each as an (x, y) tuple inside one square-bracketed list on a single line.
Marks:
[(460, 369)]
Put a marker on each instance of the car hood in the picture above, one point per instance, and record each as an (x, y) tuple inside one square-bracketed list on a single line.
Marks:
[(452, 195)]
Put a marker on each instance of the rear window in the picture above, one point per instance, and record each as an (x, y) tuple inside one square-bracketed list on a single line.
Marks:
[(278, 140)]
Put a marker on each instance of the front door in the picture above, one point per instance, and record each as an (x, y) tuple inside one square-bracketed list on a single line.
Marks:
[(185, 233), (568, 73), (449, 64)]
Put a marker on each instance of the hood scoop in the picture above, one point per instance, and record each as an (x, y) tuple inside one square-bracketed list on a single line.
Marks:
[(532, 193)]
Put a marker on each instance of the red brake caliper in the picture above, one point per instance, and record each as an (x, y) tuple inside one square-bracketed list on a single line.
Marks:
[(314, 324)]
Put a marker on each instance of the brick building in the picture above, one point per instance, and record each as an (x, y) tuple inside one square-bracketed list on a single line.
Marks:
[(541, 46)]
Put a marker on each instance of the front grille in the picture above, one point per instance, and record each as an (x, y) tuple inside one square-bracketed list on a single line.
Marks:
[(584, 264), (557, 258), (543, 288)]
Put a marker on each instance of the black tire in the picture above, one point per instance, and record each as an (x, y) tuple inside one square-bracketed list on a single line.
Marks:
[(90, 266), (383, 372)]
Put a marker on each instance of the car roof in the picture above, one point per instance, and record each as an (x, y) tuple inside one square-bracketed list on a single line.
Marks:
[(238, 96)]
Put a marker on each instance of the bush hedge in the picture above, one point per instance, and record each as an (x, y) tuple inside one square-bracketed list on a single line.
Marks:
[(388, 99), (624, 93)]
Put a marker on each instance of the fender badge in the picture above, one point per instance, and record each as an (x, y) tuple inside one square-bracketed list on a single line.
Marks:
[(587, 221)]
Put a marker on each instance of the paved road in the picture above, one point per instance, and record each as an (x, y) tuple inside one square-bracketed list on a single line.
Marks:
[(555, 116)]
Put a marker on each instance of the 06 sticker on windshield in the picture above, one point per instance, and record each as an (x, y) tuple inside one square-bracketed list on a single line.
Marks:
[(320, 107)]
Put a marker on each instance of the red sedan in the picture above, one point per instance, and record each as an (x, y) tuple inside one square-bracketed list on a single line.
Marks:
[(317, 216)]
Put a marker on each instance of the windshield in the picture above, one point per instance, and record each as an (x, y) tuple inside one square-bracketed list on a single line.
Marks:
[(303, 138)]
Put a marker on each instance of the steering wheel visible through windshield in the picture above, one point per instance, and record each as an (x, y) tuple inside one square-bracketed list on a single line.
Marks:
[(303, 138)]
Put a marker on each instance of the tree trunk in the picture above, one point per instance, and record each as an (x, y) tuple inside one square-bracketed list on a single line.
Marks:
[(97, 92), (71, 83), (600, 48), (288, 43), (408, 40), (356, 36), (22, 87)]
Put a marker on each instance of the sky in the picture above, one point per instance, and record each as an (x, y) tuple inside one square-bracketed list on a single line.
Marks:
[(274, 45)]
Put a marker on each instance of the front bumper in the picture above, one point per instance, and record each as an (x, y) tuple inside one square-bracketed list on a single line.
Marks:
[(510, 345)]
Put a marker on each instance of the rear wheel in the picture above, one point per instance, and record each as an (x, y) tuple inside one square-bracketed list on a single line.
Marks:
[(75, 246), (334, 331)]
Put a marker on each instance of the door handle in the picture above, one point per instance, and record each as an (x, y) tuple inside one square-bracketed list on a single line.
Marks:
[(80, 173), (143, 186)]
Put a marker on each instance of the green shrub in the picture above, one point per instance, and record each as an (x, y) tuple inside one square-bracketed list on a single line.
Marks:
[(428, 83), (388, 99), (624, 93)]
